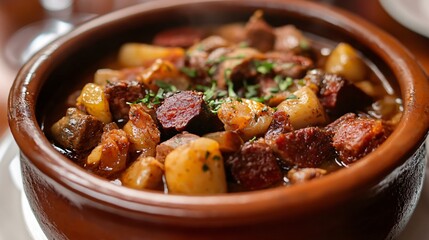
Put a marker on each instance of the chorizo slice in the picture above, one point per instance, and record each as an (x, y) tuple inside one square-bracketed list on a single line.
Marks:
[(254, 166), (354, 137), (306, 147), (186, 110)]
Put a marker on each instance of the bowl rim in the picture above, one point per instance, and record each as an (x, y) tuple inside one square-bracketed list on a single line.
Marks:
[(338, 186)]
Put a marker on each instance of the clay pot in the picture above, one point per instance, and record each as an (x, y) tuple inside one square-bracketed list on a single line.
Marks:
[(373, 199)]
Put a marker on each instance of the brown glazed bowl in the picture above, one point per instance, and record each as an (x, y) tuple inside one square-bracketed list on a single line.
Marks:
[(373, 199)]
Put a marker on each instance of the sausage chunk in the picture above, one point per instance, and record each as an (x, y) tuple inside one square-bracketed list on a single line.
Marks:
[(77, 131), (118, 93), (338, 95), (301, 175), (163, 149), (185, 110), (354, 137), (279, 125), (254, 166), (306, 147)]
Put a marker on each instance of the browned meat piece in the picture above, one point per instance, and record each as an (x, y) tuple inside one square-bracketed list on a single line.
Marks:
[(354, 137), (77, 131), (229, 142), (142, 130), (254, 166), (164, 148), (301, 175), (290, 39), (202, 55), (279, 125), (118, 93), (306, 147), (259, 34), (271, 64), (337, 95), (186, 110), (290, 65), (110, 156), (179, 37)]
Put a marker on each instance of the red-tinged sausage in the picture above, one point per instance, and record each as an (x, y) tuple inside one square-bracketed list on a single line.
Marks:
[(279, 125), (306, 147), (254, 166), (338, 95), (354, 137), (118, 93), (186, 110), (179, 37)]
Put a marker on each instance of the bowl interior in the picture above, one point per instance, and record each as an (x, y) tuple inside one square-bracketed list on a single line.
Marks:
[(68, 63)]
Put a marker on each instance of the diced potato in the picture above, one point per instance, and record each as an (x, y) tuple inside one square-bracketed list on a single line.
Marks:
[(144, 173), (246, 117), (164, 71), (228, 141), (142, 131), (93, 99), (103, 76), (196, 168), (137, 54), (344, 60), (304, 110)]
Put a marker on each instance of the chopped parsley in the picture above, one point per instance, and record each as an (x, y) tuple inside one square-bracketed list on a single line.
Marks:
[(207, 154), (291, 96), (224, 58), (263, 67), (165, 86), (216, 157), (190, 72)]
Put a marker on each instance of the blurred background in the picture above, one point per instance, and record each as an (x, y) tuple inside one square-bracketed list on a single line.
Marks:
[(28, 25)]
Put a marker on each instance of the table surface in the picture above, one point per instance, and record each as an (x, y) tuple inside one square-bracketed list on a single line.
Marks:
[(16, 14)]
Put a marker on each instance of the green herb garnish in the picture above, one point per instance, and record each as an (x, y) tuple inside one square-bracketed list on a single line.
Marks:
[(165, 86), (291, 96), (205, 167), (190, 72), (263, 67)]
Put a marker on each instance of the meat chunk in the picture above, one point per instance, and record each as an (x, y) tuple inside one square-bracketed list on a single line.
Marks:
[(337, 95), (279, 125), (118, 93), (300, 175), (163, 149), (77, 131), (271, 64), (186, 110), (179, 37), (110, 156), (259, 34), (254, 166), (354, 137), (306, 147), (142, 131)]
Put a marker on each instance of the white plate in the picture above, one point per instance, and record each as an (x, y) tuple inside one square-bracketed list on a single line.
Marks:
[(413, 14), (18, 222)]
